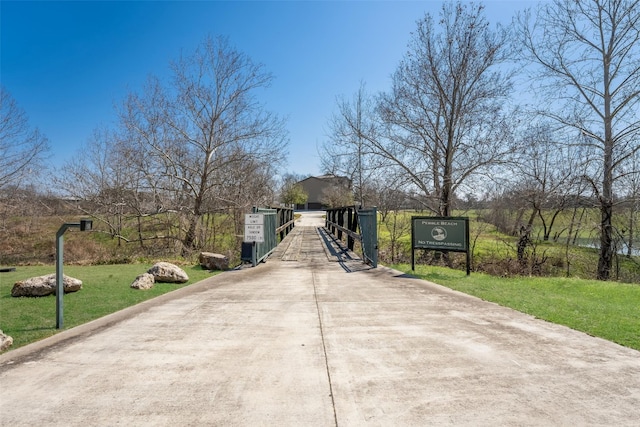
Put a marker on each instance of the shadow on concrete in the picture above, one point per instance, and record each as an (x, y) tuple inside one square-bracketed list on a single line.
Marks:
[(405, 276), (334, 248)]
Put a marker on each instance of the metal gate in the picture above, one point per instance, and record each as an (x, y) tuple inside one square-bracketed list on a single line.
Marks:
[(368, 220), (263, 249), (278, 222), (356, 224)]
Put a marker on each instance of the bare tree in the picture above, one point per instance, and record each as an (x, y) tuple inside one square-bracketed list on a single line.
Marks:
[(589, 67), (630, 199), (22, 147), (108, 180), (548, 175), (398, 225), (348, 152), (387, 195), (337, 196), (444, 116), (205, 125), (97, 178)]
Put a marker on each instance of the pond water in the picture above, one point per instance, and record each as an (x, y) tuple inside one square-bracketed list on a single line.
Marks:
[(591, 243)]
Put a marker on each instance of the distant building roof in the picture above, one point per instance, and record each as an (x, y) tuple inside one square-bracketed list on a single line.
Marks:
[(314, 186), (327, 177)]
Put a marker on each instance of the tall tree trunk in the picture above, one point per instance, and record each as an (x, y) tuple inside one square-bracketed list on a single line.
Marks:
[(190, 239), (189, 242), (631, 230), (523, 241), (605, 260)]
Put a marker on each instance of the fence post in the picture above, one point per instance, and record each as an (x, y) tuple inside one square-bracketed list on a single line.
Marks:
[(350, 221), (254, 245)]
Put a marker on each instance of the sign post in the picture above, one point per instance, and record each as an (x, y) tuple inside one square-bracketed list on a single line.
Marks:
[(83, 225), (440, 234), (254, 232)]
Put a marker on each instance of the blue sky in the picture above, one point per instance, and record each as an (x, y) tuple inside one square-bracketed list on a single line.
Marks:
[(67, 64)]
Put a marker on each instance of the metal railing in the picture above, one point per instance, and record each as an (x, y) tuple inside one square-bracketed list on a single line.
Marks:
[(278, 222), (356, 224)]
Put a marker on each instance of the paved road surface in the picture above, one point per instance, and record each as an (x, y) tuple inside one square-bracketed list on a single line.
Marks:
[(302, 341)]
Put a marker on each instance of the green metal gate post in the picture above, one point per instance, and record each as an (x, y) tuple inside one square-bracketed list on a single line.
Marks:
[(362, 225)]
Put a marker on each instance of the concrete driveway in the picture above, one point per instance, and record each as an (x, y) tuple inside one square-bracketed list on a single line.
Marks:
[(304, 341)]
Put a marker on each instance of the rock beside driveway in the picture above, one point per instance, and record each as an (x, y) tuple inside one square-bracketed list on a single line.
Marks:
[(5, 341), (41, 286), (211, 261), (167, 272), (144, 281)]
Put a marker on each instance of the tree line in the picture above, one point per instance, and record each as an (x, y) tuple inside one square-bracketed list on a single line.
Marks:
[(186, 152), (543, 112)]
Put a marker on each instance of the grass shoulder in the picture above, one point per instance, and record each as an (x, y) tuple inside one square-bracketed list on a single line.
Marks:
[(105, 290)]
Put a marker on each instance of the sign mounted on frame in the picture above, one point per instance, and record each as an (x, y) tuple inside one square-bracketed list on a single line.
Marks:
[(254, 228), (445, 234)]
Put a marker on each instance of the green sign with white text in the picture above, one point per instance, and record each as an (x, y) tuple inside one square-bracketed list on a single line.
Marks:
[(440, 234), (444, 234)]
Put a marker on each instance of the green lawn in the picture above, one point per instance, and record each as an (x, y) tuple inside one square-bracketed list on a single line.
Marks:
[(609, 310), (105, 290)]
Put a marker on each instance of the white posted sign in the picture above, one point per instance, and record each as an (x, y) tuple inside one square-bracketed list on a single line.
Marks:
[(254, 228)]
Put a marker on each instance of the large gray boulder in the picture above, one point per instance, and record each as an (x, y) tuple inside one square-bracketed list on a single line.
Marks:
[(41, 286), (167, 272), (5, 341), (211, 261), (144, 281)]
